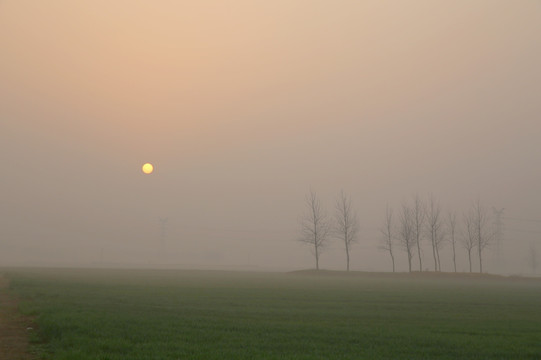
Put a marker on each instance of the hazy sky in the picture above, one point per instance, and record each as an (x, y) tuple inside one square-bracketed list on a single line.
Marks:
[(243, 106)]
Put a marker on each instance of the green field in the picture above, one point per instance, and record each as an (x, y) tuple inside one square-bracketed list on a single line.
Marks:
[(144, 314)]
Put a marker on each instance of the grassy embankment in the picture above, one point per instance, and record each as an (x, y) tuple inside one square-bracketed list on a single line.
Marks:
[(131, 314)]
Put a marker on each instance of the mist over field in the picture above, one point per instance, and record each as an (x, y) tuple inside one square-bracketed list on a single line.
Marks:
[(243, 107)]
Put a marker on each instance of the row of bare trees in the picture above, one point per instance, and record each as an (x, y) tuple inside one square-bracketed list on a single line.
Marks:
[(420, 222), (417, 223), (319, 229)]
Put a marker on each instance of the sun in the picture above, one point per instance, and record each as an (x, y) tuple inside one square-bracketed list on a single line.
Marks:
[(147, 168)]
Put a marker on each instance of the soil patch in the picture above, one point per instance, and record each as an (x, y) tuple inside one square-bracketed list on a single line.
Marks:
[(14, 328)]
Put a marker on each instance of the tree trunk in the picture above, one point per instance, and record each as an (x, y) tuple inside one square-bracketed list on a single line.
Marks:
[(347, 257), (438, 256), (317, 258), (434, 254), (419, 252), (480, 262), (469, 259), (392, 258), (454, 256)]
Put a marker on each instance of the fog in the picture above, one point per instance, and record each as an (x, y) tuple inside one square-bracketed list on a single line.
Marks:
[(243, 107)]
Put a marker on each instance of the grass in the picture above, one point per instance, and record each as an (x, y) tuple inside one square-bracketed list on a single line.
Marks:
[(142, 314)]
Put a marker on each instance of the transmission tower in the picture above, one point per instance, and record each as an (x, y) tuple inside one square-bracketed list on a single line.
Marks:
[(498, 233), (163, 233)]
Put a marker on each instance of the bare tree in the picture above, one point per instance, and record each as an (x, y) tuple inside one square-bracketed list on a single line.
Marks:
[(418, 214), (388, 234), (435, 230), (346, 224), (406, 233), (451, 226), (483, 235), (315, 226), (468, 236)]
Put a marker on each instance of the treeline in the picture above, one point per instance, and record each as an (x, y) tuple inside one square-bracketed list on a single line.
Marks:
[(416, 224)]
